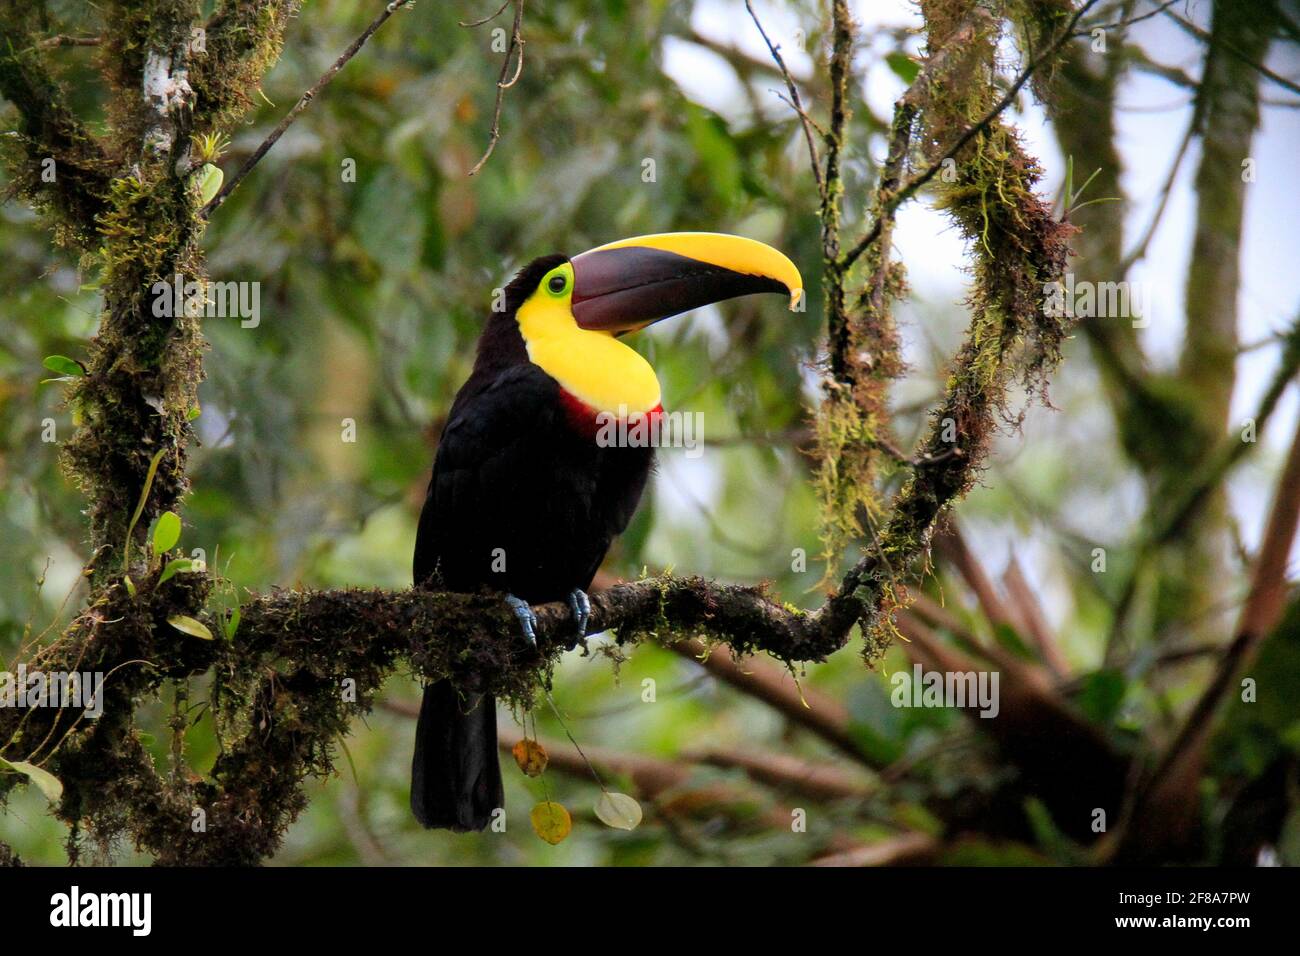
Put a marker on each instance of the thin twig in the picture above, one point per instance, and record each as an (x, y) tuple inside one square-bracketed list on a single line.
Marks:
[(786, 100), (488, 19), (908, 848), (516, 46), (1022, 597), (301, 105), (1260, 68), (1233, 449), (1140, 248), (1087, 29), (952, 547), (823, 780), (1193, 129), (652, 775), (65, 40), (795, 103), (806, 707)]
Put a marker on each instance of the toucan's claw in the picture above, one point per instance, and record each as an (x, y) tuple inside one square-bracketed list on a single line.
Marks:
[(527, 619), (580, 605)]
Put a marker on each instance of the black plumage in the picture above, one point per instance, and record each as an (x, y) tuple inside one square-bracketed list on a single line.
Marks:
[(522, 501)]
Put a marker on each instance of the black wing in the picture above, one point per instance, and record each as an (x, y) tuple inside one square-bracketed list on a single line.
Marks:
[(482, 456), (520, 500)]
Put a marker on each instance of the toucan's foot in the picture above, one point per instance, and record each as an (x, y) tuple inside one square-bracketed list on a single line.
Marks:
[(527, 619), (580, 605)]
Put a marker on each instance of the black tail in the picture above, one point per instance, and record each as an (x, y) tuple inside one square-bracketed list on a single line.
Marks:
[(455, 776)]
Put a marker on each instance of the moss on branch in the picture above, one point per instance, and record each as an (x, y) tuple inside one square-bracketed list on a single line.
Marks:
[(303, 665), (1018, 248), (52, 160)]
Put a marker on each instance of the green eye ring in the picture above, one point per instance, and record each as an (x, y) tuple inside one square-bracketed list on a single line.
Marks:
[(557, 284)]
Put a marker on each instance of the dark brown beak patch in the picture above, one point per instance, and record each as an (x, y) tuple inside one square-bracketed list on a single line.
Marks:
[(629, 287)]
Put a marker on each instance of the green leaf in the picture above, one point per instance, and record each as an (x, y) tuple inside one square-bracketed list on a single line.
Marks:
[(1102, 694), (1010, 638), (174, 568), (618, 810), (130, 585), (65, 366), (903, 66), (167, 532), (714, 148), (1084, 205), (193, 413), (209, 179), (1086, 183), (388, 226), (187, 625), (232, 624), (139, 508), (1049, 836), (45, 781)]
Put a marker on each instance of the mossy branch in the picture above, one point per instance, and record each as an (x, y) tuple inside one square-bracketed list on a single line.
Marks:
[(303, 664), (1018, 248), (48, 132), (242, 39), (475, 639), (972, 128)]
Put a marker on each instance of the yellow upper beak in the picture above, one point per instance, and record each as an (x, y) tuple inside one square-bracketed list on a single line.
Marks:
[(631, 283)]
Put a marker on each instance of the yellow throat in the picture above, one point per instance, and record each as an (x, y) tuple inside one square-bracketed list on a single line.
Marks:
[(594, 367)]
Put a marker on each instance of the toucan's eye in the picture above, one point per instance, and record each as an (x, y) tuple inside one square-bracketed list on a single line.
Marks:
[(557, 283)]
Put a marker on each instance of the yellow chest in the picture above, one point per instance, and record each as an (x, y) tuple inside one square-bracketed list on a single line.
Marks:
[(593, 367)]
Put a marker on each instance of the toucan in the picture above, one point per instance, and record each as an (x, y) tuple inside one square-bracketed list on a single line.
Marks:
[(527, 490)]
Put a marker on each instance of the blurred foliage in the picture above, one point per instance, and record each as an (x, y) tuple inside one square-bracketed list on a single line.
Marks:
[(372, 293), (371, 296)]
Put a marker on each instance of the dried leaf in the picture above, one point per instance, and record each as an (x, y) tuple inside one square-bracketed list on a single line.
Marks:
[(618, 810), (531, 757), (551, 821)]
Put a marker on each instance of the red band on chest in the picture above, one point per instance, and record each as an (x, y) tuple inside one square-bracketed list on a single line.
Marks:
[(588, 422)]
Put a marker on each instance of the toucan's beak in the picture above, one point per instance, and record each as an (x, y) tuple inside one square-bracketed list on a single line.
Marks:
[(631, 283)]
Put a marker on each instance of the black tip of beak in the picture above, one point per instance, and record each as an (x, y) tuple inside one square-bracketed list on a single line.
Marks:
[(630, 287)]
